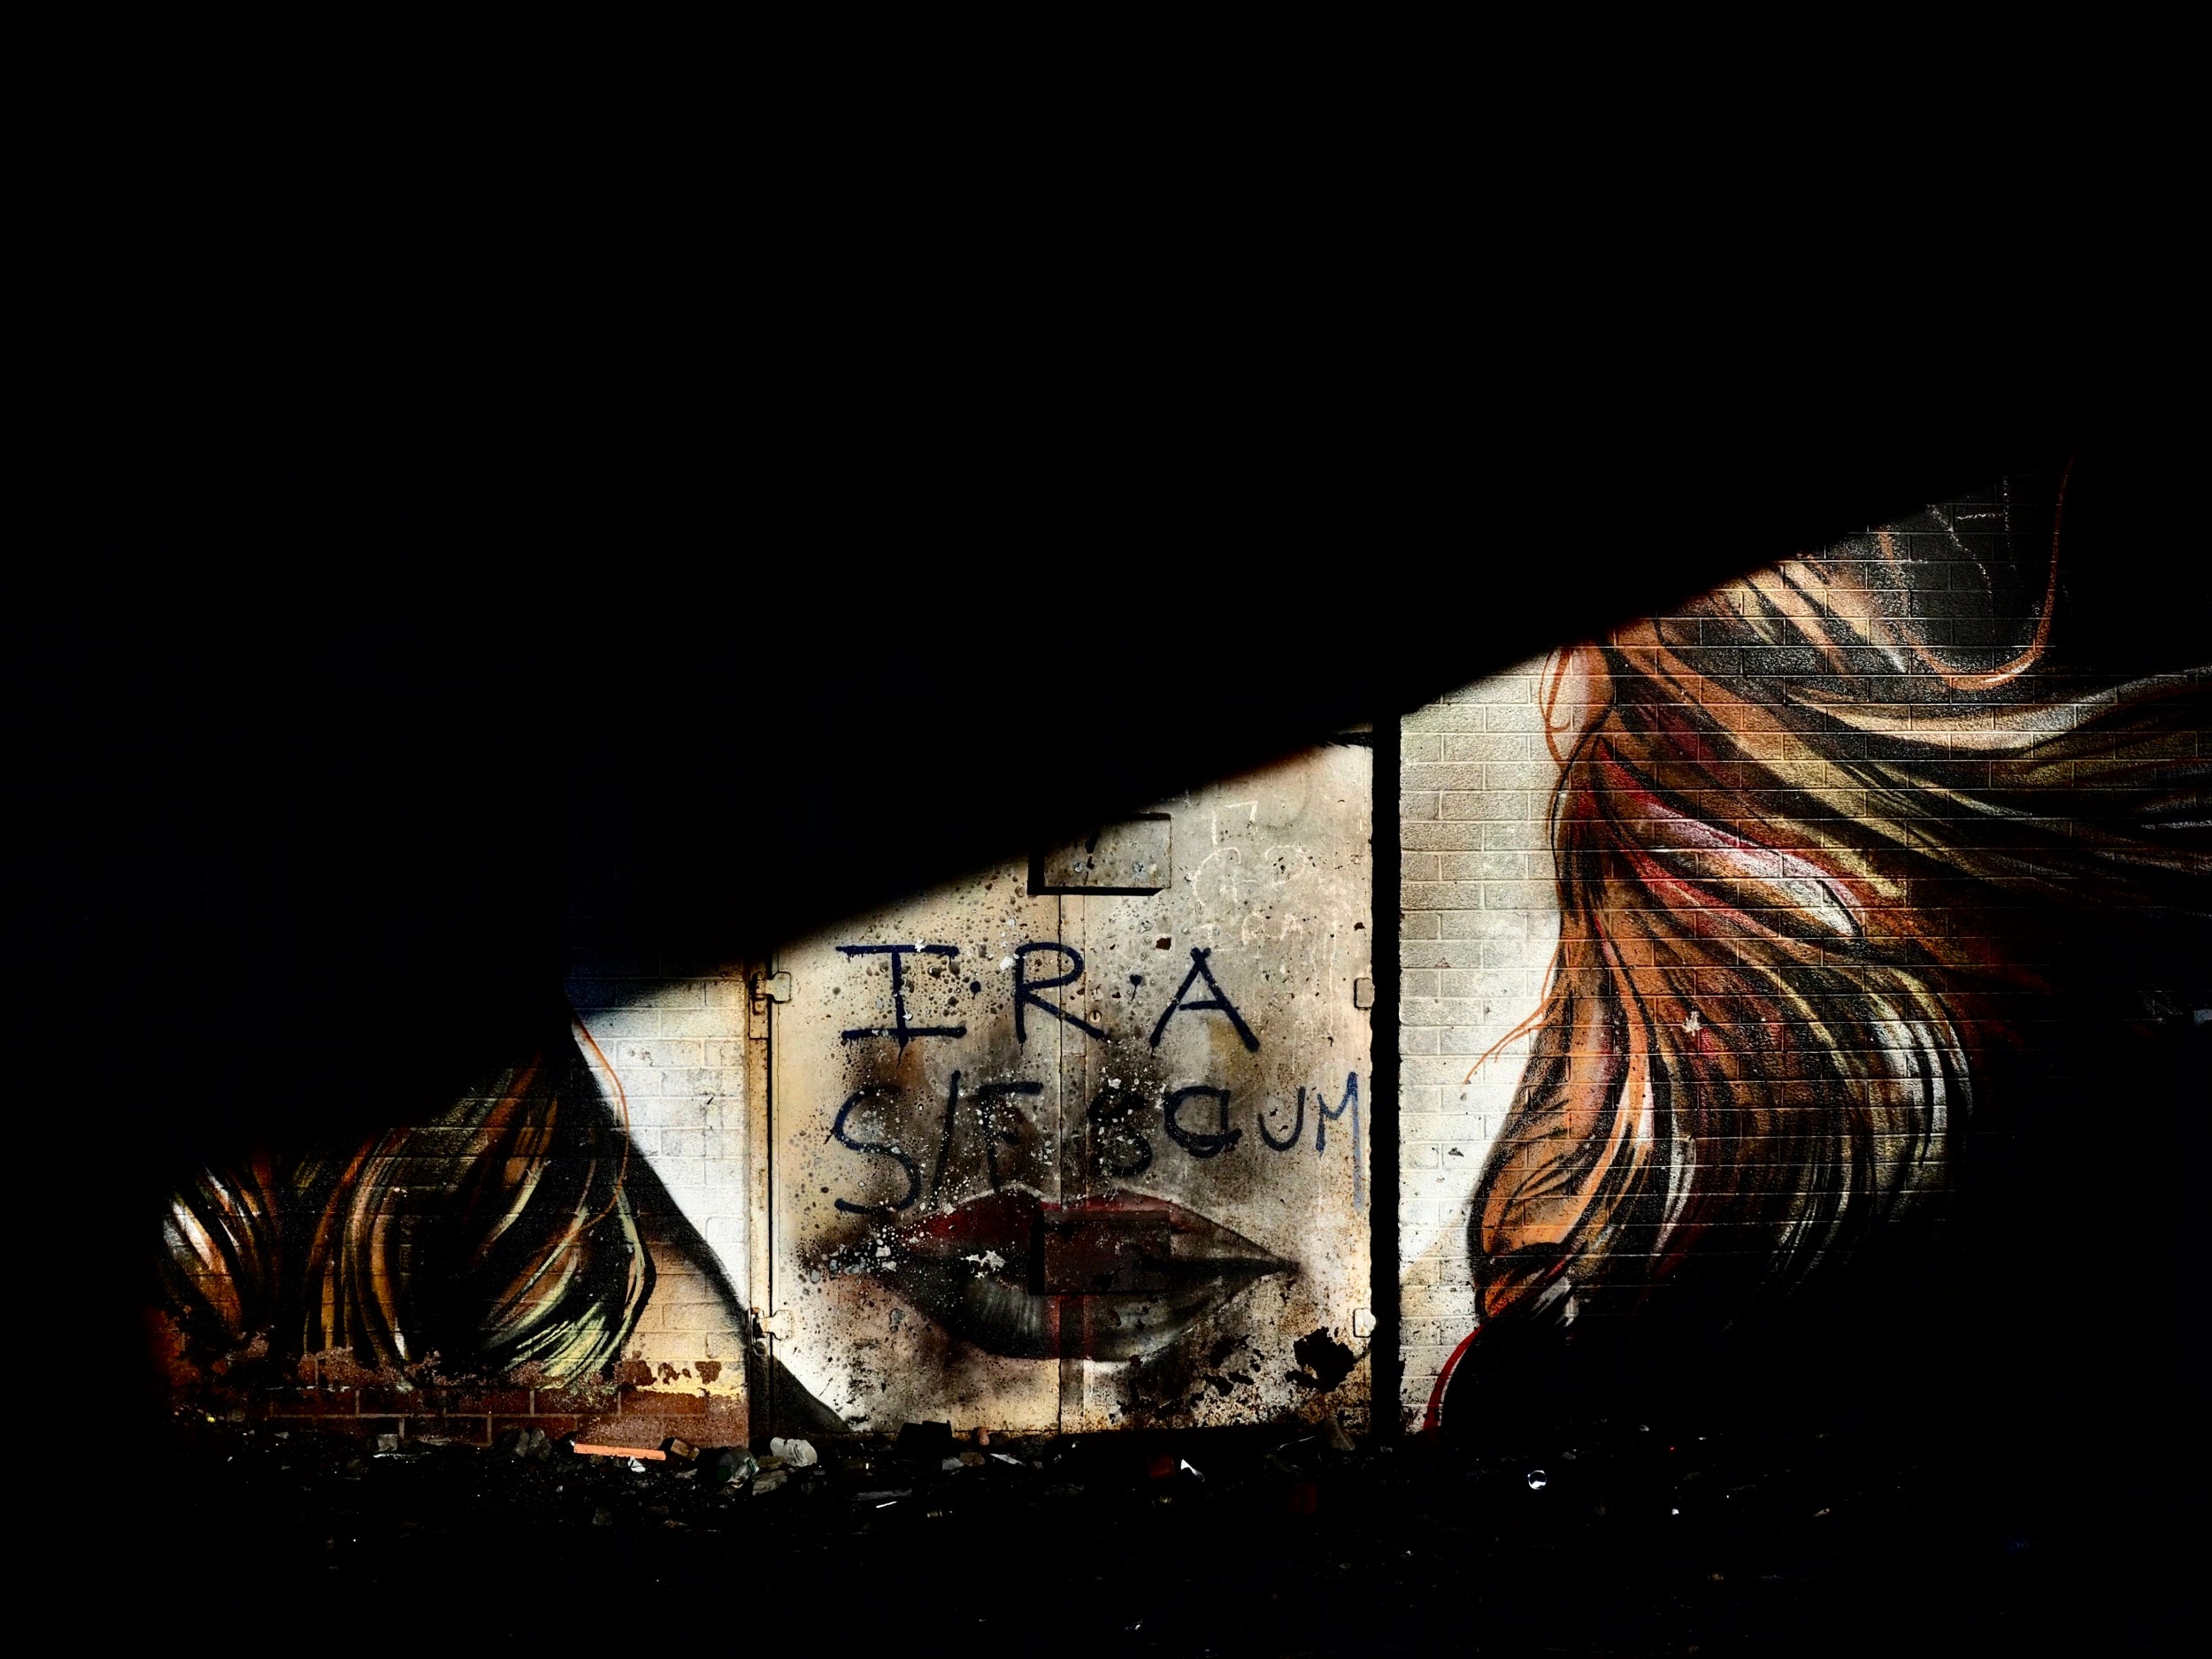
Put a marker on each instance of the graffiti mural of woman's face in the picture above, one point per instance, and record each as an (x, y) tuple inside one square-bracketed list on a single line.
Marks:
[(1819, 843), (1718, 937)]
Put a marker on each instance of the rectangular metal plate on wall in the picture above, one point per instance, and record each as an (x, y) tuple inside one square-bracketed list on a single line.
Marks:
[(1057, 1157), (1133, 856)]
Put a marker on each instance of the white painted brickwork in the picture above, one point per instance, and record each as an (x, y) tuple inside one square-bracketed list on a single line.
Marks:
[(1479, 920), (678, 1048)]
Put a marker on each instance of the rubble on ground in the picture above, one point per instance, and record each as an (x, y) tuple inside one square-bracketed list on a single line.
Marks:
[(1610, 1535)]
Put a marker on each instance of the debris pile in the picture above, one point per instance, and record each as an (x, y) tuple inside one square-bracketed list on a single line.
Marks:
[(1604, 1535)]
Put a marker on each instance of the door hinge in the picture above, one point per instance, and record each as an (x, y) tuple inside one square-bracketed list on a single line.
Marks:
[(767, 1325), (772, 988), (1363, 992)]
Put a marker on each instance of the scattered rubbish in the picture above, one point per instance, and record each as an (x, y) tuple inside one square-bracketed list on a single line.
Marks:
[(635, 1453), (1446, 1502), (729, 1465), (533, 1445), (1168, 1466)]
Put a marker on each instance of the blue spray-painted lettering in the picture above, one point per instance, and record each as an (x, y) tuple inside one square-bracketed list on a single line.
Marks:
[(1025, 988), (1329, 1114), (877, 1148), (1218, 1002), (899, 1028)]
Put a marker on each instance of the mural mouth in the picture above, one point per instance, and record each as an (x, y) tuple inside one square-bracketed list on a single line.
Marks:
[(1108, 1277)]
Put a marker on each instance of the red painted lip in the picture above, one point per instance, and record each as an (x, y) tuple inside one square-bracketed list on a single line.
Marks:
[(1109, 1276)]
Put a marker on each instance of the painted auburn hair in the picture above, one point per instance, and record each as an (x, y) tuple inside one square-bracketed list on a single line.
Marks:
[(1814, 836), (497, 1235)]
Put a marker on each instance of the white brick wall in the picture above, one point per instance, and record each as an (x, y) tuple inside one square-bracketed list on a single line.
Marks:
[(1480, 919), (678, 1048)]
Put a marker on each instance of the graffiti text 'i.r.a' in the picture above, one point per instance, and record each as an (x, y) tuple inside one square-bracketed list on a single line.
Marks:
[(899, 1028), (1218, 1002)]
